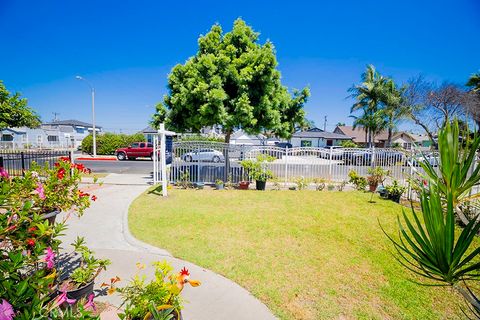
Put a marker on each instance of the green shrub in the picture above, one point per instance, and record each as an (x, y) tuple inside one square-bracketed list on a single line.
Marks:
[(357, 180), (108, 142), (348, 144)]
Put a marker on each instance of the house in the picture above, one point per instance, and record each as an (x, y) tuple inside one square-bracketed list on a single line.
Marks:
[(316, 137), (359, 136), (22, 138), (70, 133), (149, 132), (409, 140), (241, 137)]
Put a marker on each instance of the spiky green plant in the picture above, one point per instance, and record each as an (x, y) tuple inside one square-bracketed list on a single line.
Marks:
[(429, 246), (456, 174)]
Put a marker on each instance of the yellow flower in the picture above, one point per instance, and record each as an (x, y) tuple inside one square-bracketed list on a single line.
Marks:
[(111, 291), (140, 266)]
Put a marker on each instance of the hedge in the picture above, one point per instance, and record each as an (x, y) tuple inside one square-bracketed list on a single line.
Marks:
[(107, 142)]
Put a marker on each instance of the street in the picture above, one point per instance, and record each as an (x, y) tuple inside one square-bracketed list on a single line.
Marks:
[(128, 166)]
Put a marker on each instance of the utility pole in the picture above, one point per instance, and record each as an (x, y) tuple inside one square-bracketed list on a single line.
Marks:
[(55, 114), (94, 133), (325, 124)]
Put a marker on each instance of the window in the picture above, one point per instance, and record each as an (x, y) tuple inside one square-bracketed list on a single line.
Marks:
[(52, 138), (305, 143), (24, 138), (407, 145), (134, 145), (39, 139), (7, 137), (150, 145)]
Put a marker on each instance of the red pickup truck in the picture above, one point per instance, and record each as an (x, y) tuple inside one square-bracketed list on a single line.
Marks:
[(135, 150)]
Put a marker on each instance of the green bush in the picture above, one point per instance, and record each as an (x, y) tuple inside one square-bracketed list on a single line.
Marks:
[(107, 142), (348, 144)]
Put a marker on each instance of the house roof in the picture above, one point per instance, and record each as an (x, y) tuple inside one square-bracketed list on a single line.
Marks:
[(319, 133), (149, 129), (75, 123), (239, 133), (358, 134)]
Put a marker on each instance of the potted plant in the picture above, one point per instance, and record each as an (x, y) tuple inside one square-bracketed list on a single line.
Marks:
[(357, 180), (395, 191), (30, 247), (257, 170), (142, 300), (376, 177), (243, 185), (79, 283), (51, 189), (219, 184)]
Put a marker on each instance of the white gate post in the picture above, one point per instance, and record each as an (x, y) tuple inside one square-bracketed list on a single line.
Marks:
[(155, 159), (163, 159)]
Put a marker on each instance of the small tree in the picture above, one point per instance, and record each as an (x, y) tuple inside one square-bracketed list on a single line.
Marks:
[(232, 81), (14, 110)]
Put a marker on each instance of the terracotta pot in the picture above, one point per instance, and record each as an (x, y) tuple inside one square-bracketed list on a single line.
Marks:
[(243, 185)]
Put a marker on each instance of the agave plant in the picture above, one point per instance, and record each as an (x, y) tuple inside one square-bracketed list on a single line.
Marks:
[(429, 246), (456, 173)]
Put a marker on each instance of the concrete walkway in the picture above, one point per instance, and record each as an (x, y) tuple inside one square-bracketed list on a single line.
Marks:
[(105, 228)]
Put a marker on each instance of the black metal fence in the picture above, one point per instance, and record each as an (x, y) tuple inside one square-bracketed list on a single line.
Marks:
[(16, 162)]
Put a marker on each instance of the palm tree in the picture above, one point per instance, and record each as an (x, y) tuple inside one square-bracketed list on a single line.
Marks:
[(394, 106), (368, 95)]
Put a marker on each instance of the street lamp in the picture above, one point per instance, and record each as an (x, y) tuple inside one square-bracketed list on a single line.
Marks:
[(93, 114)]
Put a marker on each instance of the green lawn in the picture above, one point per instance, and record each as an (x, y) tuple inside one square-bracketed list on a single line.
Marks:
[(305, 254)]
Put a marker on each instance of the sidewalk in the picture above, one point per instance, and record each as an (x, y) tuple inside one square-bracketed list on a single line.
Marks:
[(105, 228)]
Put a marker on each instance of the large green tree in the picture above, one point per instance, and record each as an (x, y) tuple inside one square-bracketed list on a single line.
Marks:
[(232, 81), (394, 107), (14, 110)]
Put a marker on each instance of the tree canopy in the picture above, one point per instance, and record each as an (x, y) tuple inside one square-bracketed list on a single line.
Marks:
[(14, 110), (232, 81)]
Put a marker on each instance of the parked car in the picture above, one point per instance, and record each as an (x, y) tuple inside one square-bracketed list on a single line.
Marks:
[(280, 152), (363, 157), (428, 157), (209, 155), (139, 150), (135, 150), (336, 152)]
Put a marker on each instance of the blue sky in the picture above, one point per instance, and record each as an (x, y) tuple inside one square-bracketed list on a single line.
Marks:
[(126, 49)]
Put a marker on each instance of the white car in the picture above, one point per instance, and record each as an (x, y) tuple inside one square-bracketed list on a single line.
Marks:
[(207, 155), (430, 158), (336, 151)]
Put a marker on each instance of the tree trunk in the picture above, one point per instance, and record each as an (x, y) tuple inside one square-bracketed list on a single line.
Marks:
[(389, 140), (366, 136), (226, 154)]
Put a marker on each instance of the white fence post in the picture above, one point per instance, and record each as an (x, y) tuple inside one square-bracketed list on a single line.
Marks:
[(330, 163), (286, 165)]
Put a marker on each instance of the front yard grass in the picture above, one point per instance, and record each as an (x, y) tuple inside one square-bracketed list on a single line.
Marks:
[(305, 254)]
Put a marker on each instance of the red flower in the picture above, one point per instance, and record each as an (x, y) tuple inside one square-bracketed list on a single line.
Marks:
[(65, 159), (61, 173), (32, 229), (184, 272), (31, 242), (83, 194), (94, 198)]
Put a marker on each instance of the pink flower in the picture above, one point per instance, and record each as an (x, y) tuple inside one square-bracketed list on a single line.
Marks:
[(90, 305), (6, 310), (50, 258), (4, 173), (40, 191), (61, 299)]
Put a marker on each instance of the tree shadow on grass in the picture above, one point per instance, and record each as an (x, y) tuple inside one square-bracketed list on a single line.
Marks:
[(156, 191)]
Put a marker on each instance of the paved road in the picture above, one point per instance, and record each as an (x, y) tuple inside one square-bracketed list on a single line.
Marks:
[(129, 166)]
